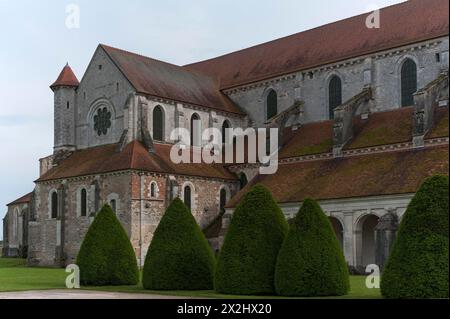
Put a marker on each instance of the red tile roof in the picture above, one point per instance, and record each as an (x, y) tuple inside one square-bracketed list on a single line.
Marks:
[(360, 176), (440, 127), (409, 22), (66, 78), (311, 138), (105, 159), (161, 79), (22, 200), (382, 128)]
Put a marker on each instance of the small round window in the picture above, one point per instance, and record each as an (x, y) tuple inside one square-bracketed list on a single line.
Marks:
[(102, 121)]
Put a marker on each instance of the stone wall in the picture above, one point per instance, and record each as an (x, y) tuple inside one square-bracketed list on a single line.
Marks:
[(56, 241), (380, 70), (15, 231), (147, 211), (47, 234), (354, 220), (102, 85), (64, 118), (177, 115)]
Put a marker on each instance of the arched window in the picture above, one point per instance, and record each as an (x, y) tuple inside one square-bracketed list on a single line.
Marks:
[(196, 130), (271, 104), (158, 123), (83, 199), (223, 199), (187, 196), (113, 205), (54, 203), (153, 190), (225, 126), (334, 94), (242, 180), (408, 82)]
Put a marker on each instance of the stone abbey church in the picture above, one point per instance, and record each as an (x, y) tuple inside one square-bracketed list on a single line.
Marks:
[(362, 115)]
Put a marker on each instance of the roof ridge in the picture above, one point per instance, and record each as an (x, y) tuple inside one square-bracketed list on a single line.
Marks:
[(133, 150), (181, 67), (137, 54)]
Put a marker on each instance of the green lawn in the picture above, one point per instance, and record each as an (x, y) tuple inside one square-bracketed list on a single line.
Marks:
[(15, 276)]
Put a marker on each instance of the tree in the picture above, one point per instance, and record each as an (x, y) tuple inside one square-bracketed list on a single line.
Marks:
[(418, 263), (106, 256), (310, 262), (179, 256), (246, 264)]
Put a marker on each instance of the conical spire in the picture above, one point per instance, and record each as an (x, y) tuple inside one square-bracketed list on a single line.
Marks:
[(66, 78)]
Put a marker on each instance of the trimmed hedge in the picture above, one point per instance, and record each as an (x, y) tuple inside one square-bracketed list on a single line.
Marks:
[(418, 263), (106, 256), (246, 264), (179, 256), (311, 262)]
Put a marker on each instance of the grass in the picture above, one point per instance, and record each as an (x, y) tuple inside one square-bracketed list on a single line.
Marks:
[(16, 276)]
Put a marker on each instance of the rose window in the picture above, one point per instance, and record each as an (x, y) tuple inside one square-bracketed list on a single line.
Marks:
[(102, 121)]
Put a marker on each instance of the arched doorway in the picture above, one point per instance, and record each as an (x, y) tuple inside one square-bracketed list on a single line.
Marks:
[(366, 240), (338, 230)]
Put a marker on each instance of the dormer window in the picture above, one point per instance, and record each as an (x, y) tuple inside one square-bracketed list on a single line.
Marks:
[(100, 66)]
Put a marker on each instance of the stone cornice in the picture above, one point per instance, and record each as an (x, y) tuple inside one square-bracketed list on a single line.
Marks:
[(193, 106), (440, 141)]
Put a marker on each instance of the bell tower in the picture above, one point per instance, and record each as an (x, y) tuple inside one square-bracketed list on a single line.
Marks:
[(64, 90)]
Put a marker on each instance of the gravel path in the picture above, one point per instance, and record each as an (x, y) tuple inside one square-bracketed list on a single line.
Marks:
[(81, 294)]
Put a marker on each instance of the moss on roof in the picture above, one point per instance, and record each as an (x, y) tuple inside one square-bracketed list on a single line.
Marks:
[(377, 174), (322, 147), (383, 128), (309, 139), (440, 128)]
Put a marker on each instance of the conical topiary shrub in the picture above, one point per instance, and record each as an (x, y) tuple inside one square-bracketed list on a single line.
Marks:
[(106, 256), (179, 256), (246, 264), (310, 262), (418, 263)]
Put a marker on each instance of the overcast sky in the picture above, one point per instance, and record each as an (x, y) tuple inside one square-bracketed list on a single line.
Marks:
[(35, 44)]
